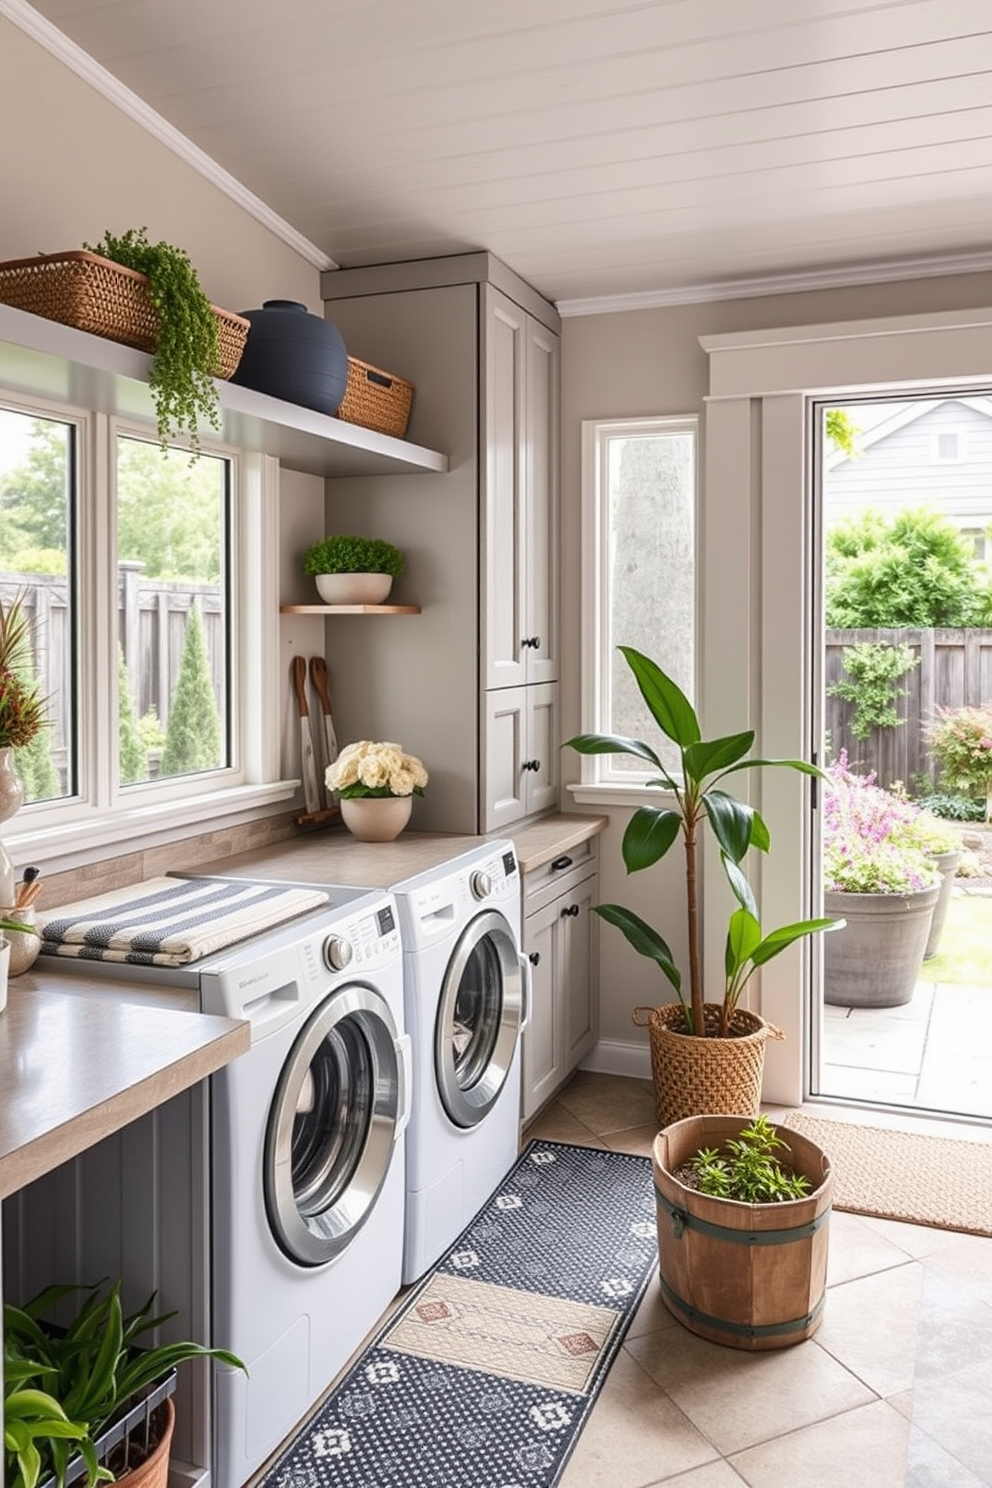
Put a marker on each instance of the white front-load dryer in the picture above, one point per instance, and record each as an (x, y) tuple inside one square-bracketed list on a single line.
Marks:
[(307, 1154), (467, 994)]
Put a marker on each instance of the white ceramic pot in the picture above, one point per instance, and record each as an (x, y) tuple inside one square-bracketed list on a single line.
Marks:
[(376, 818), (354, 588), (4, 965), (24, 945)]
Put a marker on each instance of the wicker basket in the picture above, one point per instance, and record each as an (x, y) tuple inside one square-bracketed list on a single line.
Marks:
[(376, 399), (91, 293), (696, 1076)]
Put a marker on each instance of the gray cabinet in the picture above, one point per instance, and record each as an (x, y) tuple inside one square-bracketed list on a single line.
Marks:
[(561, 942), (472, 686)]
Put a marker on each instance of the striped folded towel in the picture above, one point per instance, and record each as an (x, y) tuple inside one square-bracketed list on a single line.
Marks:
[(170, 921)]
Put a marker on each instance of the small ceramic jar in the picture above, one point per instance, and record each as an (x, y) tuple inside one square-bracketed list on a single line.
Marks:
[(24, 947)]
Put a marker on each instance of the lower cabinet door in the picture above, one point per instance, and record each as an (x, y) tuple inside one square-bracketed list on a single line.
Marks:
[(562, 942), (521, 742)]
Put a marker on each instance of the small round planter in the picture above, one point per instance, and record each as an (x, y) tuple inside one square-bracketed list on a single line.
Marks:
[(875, 960), (751, 1276), (24, 944), (353, 588), (376, 818), (947, 863), (293, 355)]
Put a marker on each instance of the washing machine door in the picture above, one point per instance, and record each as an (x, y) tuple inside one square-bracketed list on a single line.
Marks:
[(478, 1019), (332, 1124)]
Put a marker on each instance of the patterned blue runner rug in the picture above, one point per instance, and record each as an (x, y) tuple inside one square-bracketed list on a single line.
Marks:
[(487, 1372)]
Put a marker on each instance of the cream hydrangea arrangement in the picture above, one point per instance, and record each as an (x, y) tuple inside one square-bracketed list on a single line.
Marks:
[(376, 769)]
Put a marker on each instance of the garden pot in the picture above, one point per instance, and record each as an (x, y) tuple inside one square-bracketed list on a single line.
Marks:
[(947, 863), (353, 588), (376, 818), (694, 1075), (154, 1471), (24, 944), (875, 960), (751, 1276), (294, 355)]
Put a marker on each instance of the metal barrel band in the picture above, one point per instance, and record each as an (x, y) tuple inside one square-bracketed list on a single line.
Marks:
[(682, 1221), (740, 1330)]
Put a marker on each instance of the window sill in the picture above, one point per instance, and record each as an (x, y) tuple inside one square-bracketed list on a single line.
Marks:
[(590, 793), (125, 831)]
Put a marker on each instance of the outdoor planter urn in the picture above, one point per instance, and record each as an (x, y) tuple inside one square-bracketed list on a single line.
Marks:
[(875, 960)]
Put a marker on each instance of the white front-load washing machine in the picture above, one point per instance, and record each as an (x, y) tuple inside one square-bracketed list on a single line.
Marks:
[(467, 1001), (306, 1153)]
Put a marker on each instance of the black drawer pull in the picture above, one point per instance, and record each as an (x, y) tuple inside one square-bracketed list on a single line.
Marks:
[(533, 641), (560, 863), (571, 910), (534, 958), (531, 765)]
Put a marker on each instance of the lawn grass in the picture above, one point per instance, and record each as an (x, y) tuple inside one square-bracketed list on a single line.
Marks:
[(964, 955)]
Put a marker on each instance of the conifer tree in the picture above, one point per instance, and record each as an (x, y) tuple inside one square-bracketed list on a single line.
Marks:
[(133, 762), (192, 738)]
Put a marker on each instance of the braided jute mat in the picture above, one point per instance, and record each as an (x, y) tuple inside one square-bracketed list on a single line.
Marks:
[(940, 1181)]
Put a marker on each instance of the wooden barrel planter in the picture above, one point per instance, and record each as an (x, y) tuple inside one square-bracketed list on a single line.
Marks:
[(751, 1276)]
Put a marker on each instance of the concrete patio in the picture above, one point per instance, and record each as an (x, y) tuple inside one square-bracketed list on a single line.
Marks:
[(933, 1054)]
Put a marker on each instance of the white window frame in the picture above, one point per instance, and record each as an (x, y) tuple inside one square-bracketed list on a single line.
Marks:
[(600, 782), (103, 819)]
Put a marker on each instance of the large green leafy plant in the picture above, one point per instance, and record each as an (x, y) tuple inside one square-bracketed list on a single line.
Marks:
[(87, 1375), (699, 800)]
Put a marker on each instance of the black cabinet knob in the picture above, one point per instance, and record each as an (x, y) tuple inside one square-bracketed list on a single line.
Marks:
[(534, 958), (571, 910), (531, 765), (534, 642)]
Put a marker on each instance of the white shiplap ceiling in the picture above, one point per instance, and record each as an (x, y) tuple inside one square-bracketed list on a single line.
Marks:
[(661, 150)]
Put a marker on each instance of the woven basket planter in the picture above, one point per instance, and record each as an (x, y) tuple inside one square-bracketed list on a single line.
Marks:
[(94, 294), (692, 1075), (751, 1276)]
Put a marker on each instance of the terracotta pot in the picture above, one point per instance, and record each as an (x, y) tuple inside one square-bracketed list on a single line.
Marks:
[(376, 818), (153, 1472), (751, 1276)]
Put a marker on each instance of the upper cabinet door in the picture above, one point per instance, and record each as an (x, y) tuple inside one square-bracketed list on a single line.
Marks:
[(504, 521), (541, 502), (520, 402)]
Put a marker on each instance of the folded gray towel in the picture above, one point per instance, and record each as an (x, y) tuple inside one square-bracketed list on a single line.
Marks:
[(170, 921)]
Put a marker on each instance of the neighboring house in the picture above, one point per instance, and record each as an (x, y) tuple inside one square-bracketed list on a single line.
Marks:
[(930, 452)]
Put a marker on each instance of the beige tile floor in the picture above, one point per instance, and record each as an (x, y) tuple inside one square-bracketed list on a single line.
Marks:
[(893, 1391)]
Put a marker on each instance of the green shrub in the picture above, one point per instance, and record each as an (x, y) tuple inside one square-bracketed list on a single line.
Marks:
[(873, 669), (345, 553)]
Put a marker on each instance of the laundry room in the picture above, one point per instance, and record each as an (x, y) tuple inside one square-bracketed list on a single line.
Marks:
[(314, 1048)]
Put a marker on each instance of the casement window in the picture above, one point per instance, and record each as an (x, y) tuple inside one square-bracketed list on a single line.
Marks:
[(131, 561), (639, 483)]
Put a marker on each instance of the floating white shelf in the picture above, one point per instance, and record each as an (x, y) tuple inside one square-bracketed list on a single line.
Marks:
[(358, 609), (56, 361)]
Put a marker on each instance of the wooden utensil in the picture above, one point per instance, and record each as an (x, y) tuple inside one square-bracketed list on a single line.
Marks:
[(318, 676), (311, 794)]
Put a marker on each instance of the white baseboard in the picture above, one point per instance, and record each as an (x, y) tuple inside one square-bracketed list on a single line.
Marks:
[(617, 1057)]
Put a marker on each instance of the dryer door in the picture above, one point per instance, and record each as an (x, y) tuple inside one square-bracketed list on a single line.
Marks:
[(332, 1124), (478, 1019)]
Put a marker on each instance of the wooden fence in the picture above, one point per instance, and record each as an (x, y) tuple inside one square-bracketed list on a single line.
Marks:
[(954, 671), (152, 618)]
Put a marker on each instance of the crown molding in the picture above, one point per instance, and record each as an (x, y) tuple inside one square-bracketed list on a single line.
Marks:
[(28, 20), (939, 265)]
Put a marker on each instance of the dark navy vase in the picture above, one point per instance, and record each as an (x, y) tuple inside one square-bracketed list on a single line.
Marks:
[(294, 355)]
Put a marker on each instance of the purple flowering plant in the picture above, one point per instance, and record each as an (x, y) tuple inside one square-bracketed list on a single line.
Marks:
[(873, 839)]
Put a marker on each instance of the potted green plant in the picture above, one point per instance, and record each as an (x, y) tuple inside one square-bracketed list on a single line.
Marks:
[(730, 1190), (353, 570), (186, 356), (706, 1056), (880, 874), (97, 1374)]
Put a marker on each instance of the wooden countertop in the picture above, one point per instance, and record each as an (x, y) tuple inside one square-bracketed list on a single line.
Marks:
[(78, 1064), (335, 857)]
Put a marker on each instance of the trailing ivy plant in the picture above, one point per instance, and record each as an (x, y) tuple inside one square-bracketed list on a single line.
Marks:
[(873, 670), (185, 359), (748, 1170)]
